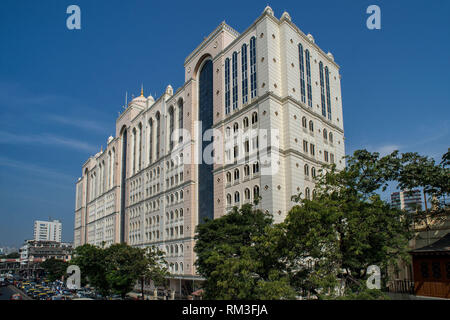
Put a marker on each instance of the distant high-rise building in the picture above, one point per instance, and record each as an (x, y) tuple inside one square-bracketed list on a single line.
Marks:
[(47, 230), (407, 200)]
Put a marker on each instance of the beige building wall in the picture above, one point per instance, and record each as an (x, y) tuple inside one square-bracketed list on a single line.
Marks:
[(157, 198)]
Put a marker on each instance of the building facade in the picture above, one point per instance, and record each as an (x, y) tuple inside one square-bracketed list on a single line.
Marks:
[(269, 103), (36, 251), (407, 200), (47, 230)]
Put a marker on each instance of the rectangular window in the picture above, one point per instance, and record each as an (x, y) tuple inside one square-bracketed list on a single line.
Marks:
[(325, 156), (322, 90), (235, 82), (253, 67), (308, 78), (244, 74), (227, 86), (302, 72), (312, 150), (305, 146), (327, 80)]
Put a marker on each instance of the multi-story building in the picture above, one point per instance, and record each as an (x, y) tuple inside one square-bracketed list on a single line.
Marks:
[(47, 230), (410, 201), (272, 98), (36, 251)]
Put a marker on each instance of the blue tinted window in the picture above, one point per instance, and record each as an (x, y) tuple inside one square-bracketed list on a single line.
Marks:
[(253, 66), (327, 81), (227, 86), (302, 72), (244, 74), (322, 90), (308, 78), (205, 176), (235, 82)]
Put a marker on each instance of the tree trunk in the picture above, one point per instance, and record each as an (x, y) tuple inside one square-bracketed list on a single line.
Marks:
[(142, 287)]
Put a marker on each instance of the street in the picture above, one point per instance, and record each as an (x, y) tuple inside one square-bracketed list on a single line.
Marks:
[(6, 293)]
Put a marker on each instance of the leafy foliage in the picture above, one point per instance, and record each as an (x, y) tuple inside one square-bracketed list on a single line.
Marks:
[(325, 243), (237, 260), (55, 269), (117, 268)]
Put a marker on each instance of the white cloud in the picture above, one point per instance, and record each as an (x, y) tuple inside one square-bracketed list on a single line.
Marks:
[(46, 139), (83, 124), (40, 171)]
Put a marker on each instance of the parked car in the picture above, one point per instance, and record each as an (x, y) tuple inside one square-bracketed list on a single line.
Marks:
[(16, 296)]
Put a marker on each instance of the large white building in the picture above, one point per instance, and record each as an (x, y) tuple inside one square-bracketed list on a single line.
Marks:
[(273, 100), (47, 230)]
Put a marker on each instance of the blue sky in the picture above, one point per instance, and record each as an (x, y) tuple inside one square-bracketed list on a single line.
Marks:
[(60, 90)]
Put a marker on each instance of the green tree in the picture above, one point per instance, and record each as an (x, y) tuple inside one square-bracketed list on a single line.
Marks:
[(236, 258), (55, 269), (93, 267)]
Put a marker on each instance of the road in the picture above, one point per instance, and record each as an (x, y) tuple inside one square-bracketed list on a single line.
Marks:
[(6, 293)]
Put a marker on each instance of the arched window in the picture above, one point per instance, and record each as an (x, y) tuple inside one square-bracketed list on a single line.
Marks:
[(304, 125), (331, 137), (180, 119), (228, 199), (171, 126), (150, 141), (237, 197), (322, 89), (244, 74), (245, 122), (306, 169), (134, 150), (327, 81), (308, 78), (314, 194), (227, 85), (307, 193), (246, 170), (325, 134), (228, 131), (254, 117), (255, 167), (235, 127), (140, 147), (247, 194), (313, 172), (236, 175), (235, 83), (253, 67), (311, 126), (158, 134), (255, 192), (302, 72), (229, 177)]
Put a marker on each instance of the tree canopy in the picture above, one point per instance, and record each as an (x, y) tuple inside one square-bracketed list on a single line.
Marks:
[(325, 244)]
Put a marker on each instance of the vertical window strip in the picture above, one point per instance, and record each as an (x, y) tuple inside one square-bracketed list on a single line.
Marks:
[(235, 84), (327, 81), (150, 152), (227, 86), (308, 77), (171, 127), (302, 72), (253, 67), (322, 90), (158, 131), (244, 74)]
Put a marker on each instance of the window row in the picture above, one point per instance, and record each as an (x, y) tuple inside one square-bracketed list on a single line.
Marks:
[(236, 172), (231, 82), (247, 196)]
